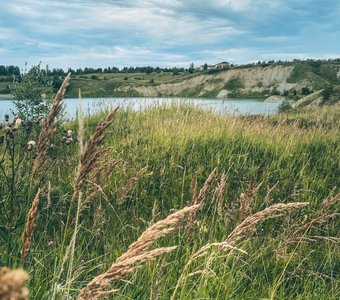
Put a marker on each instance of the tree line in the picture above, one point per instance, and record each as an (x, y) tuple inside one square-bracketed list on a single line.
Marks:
[(15, 71)]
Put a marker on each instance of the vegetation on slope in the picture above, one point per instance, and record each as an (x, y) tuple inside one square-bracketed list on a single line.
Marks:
[(294, 80), (90, 210)]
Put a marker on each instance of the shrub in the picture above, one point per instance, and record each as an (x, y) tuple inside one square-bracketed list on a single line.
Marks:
[(285, 106), (234, 84)]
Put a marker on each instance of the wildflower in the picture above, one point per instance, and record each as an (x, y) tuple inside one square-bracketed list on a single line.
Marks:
[(8, 129), (12, 284), (18, 123), (30, 145), (68, 141), (69, 133), (9, 132)]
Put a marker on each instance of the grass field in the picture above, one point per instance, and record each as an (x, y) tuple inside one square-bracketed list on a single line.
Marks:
[(232, 243)]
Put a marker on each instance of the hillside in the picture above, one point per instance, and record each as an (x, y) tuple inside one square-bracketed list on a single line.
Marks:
[(293, 80)]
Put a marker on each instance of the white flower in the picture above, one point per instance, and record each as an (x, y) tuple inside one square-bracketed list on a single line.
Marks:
[(30, 145), (18, 123), (69, 133)]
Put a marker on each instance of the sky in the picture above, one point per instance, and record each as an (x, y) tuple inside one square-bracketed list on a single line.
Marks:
[(165, 33)]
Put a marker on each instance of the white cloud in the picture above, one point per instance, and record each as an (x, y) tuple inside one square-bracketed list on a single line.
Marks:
[(100, 56), (83, 33), (143, 21)]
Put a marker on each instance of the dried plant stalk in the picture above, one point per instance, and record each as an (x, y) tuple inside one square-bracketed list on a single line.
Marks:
[(30, 225), (130, 185), (91, 155), (321, 216), (49, 127), (246, 200), (137, 252), (220, 192), (267, 198), (198, 200), (12, 284), (247, 227)]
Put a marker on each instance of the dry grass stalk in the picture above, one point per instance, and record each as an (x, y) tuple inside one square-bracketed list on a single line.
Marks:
[(12, 284), (49, 190), (49, 127), (267, 198), (246, 200), (321, 216), (156, 292), (30, 225), (198, 200), (200, 253), (220, 192), (248, 226), (98, 216), (91, 194), (137, 252), (124, 193), (103, 171), (91, 154)]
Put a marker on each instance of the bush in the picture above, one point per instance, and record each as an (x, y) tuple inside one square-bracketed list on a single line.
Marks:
[(234, 84), (327, 94), (285, 106)]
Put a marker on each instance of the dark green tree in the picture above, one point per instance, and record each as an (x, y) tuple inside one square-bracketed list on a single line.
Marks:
[(327, 93), (191, 68)]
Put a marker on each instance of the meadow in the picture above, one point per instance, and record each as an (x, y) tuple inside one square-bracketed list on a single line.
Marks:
[(170, 203)]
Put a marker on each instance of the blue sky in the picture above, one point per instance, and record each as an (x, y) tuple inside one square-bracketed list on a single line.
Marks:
[(99, 33)]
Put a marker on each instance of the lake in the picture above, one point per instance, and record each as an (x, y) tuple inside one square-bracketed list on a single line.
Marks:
[(93, 105)]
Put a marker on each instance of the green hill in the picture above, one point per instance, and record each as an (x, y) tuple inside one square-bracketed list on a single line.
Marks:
[(293, 80)]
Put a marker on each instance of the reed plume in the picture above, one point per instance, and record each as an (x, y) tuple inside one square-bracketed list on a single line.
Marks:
[(137, 252), (243, 230), (12, 284), (30, 225), (92, 153), (49, 127), (130, 185), (197, 200), (321, 216), (246, 200), (247, 227)]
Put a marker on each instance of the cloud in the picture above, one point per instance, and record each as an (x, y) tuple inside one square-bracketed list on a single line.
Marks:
[(161, 32)]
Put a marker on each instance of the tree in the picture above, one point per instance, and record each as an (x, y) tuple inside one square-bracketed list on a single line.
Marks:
[(205, 66), (327, 93), (33, 93), (191, 68)]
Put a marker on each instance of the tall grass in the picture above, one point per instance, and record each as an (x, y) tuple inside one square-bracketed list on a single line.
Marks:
[(134, 185)]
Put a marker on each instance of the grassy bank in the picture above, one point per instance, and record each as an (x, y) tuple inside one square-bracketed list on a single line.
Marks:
[(156, 162)]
